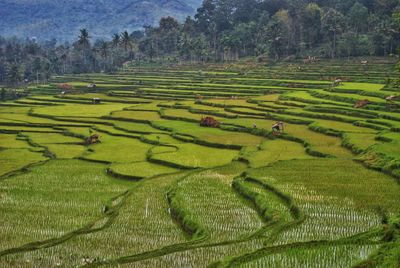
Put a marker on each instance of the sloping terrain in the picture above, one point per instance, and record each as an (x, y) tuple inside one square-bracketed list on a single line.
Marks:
[(160, 190), (62, 19)]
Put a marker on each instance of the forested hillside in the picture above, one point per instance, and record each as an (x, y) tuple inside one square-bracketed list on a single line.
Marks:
[(61, 19), (221, 30)]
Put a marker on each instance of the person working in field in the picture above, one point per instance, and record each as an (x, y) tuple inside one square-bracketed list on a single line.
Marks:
[(277, 127)]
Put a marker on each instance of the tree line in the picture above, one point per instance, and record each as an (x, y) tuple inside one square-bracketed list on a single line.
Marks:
[(221, 30)]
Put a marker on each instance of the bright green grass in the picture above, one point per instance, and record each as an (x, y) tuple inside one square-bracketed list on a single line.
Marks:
[(25, 118), (390, 149), (215, 135), (49, 138), (362, 86), (81, 131), (81, 110), (90, 96), (137, 115), (66, 151), (185, 114), (114, 131), (118, 149), (274, 150), (270, 97), (342, 126), (18, 129), (162, 138), (152, 106), (11, 141), (350, 96), (135, 127), (361, 141), (15, 159), (306, 97), (196, 156), (141, 169)]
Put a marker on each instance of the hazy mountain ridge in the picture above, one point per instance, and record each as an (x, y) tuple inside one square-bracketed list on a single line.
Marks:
[(62, 19)]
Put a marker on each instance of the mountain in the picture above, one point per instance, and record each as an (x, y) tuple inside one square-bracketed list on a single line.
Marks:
[(62, 19)]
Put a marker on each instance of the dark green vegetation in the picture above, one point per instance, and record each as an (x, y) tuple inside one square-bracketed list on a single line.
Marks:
[(220, 31), (159, 190)]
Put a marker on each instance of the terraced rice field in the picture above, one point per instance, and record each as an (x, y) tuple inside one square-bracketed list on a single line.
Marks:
[(160, 190)]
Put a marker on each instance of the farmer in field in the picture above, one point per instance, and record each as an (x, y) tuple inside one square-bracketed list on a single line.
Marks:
[(277, 127)]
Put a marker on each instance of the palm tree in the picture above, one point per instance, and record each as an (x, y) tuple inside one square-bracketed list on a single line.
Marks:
[(126, 40), (84, 43), (116, 39), (84, 38), (104, 52)]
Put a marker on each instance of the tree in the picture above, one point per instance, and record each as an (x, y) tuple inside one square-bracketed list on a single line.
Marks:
[(168, 34), (104, 52), (3, 94), (278, 34), (312, 24), (357, 15), (116, 40), (126, 41), (83, 46), (205, 15), (14, 73), (333, 23), (83, 39)]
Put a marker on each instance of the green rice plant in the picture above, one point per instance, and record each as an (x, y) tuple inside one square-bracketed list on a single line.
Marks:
[(211, 202), (139, 116), (12, 141), (346, 97), (23, 128), (268, 204), (362, 86), (65, 151), (272, 151), (318, 141), (359, 142), (140, 170), (52, 138), (331, 196), (143, 224), (212, 135), (52, 200), (161, 139), (279, 205), (135, 127), (196, 156), (200, 256), (342, 126), (307, 97), (12, 160), (325, 256), (128, 150), (80, 110)]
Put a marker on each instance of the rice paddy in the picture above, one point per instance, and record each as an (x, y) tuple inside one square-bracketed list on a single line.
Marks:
[(139, 180)]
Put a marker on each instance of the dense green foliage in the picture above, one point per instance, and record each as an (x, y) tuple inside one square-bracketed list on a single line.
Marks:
[(221, 30)]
